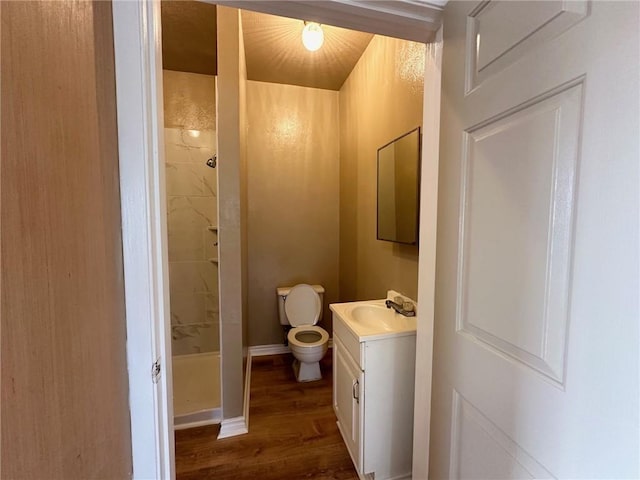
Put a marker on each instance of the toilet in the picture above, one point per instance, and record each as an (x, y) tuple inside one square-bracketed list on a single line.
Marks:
[(300, 307)]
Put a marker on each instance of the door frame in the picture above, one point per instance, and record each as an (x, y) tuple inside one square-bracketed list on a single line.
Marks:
[(427, 255), (138, 65)]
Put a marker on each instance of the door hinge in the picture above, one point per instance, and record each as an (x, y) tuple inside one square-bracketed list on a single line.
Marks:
[(155, 371)]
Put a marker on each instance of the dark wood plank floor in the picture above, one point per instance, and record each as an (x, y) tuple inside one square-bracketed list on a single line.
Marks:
[(292, 432)]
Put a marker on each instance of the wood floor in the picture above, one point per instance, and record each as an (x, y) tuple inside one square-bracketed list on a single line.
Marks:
[(292, 432)]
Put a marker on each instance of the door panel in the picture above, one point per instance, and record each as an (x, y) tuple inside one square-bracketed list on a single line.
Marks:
[(500, 33), (535, 348), (518, 180), (479, 448)]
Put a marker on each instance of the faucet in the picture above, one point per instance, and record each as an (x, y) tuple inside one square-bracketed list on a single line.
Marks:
[(401, 306)]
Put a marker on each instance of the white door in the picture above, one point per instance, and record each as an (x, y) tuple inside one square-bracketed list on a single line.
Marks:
[(536, 321)]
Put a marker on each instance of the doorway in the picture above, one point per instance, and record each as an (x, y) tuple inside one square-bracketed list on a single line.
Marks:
[(137, 38)]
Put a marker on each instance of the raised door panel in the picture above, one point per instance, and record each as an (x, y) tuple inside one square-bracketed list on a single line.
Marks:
[(480, 449), (516, 216), (499, 33)]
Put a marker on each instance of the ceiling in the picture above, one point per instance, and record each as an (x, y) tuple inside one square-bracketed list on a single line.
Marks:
[(273, 45), (189, 37), (274, 52)]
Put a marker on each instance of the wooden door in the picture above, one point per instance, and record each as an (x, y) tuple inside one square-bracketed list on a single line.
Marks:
[(64, 395), (536, 322)]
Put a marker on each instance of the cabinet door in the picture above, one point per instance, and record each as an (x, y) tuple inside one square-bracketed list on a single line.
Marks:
[(347, 387)]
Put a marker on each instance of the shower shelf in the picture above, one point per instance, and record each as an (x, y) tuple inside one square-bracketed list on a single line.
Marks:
[(212, 228)]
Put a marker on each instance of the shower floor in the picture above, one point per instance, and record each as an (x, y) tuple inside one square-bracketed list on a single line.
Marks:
[(196, 383)]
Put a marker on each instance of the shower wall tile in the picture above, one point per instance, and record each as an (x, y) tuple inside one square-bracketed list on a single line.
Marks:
[(212, 308), (193, 277), (172, 137), (210, 241), (188, 308), (191, 179), (186, 243), (213, 340), (193, 210), (195, 338), (205, 138), (192, 207), (185, 154), (187, 222), (178, 153), (181, 147)]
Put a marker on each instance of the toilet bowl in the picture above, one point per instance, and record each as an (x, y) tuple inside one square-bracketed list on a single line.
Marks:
[(300, 306)]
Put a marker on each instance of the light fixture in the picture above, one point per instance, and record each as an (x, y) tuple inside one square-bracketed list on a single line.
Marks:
[(312, 36)]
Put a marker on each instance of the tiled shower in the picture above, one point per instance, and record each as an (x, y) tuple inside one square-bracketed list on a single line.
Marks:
[(193, 235), (193, 273)]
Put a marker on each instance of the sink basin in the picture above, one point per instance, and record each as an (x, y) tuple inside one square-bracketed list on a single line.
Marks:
[(373, 319), (374, 316)]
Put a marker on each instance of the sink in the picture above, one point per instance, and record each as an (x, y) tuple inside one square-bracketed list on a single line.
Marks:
[(374, 316), (373, 319)]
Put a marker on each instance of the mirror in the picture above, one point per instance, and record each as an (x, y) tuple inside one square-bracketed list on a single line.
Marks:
[(398, 183)]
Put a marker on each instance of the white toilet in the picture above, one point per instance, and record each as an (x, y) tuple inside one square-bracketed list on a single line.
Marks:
[(301, 307)]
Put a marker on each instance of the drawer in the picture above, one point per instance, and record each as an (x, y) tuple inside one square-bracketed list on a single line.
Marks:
[(349, 340)]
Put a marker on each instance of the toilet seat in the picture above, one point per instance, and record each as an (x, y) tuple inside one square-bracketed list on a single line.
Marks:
[(302, 305), (294, 341)]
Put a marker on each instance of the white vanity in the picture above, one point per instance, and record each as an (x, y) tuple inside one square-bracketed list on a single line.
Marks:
[(373, 384)]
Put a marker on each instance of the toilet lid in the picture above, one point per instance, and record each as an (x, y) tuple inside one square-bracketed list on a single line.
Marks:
[(302, 306)]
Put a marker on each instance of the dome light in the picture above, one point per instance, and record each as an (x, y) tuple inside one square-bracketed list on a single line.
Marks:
[(312, 36)]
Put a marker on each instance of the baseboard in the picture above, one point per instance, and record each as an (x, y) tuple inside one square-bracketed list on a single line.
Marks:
[(247, 390), (198, 419), (232, 427), (406, 476), (273, 349)]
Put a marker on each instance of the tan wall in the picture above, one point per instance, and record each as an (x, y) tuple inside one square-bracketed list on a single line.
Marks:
[(244, 220), (381, 100), (293, 175), (64, 395), (230, 191), (189, 100)]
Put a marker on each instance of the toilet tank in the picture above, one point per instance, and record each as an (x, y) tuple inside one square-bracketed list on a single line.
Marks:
[(282, 292)]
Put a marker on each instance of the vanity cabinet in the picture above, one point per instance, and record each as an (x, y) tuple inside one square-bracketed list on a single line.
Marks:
[(373, 387), (348, 380)]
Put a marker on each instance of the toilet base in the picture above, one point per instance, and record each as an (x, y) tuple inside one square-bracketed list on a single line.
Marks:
[(306, 372)]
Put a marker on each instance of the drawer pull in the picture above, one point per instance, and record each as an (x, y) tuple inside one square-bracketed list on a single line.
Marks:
[(356, 391)]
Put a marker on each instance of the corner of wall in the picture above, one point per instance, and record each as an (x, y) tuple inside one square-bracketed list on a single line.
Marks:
[(230, 244)]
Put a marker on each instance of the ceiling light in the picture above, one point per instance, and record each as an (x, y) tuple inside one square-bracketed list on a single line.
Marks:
[(312, 36)]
